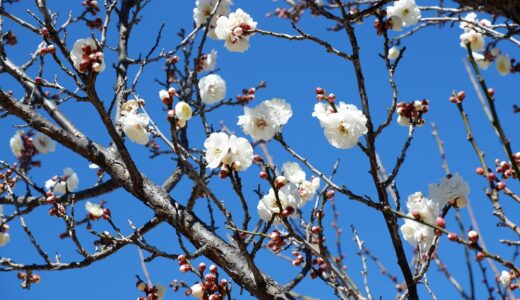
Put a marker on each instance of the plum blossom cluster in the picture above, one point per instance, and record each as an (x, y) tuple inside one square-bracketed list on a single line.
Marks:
[(509, 279), (236, 30), (423, 209), (228, 152), (505, 169), (408, 112), (453, 189), (403, 13), (250, 93), (203, 10), (28, 279), (63, 184), (155, 292), (4, 228), (135, 125), (266, 119), (25, 145), (343, 124), (290, 192), (87, 56), (209, 288)]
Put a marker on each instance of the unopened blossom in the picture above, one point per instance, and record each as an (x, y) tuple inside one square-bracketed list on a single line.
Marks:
[(135, 127), (212, 88), (406, 10), (4, 238), (503, 65), (233, 151), (265, 120), (164, 95), (505, 278), (94, 210), (197, 291), (472, 38), (343, 127), (393, 53), (44, 144), (453, 190), (235, 30), (86, 56), (16, 143), (204, 8), (67, 183), (293, 172), (208, 62), (183, 111)]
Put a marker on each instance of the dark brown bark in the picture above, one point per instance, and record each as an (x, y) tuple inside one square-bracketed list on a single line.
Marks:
[(505, 8)]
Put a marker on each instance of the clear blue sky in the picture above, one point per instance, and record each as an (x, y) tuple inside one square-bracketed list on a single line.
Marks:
[(432, 68)]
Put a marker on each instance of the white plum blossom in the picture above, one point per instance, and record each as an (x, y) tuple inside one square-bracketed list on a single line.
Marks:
[(393, 53), (293, 172), (4, 238), (86, 55), (94, 210), (212, 88), (183, 111), (427, 211), (208, 62), (266, 119), (16, 143), (268, 205), (468, 22), (474, 38), (197, 291), (232, 151), (217, 147), (481, 60), (453, 190), (235, 30), (204, 8), (397, 23), (164, 95), (44, 144), (67, 183), (343, 127), (406, 10), (505, 278), (297, 177), (135, 127), (503, 65)]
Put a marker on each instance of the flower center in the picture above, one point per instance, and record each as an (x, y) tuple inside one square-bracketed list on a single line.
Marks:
[(406, 12), (343, 128), (260, 123)]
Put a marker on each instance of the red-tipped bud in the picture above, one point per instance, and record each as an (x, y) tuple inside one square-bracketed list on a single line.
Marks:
[(416, 215), (461, 95), (257, 158), (202, 267), (479, 171), (473, 236), (452, 236), (44, 31), (288, 211), (38, 80), (185, 268), (320, 91), (501, 185), (329, 194), (480, 256), (213, 269), (440, 222), (491, 176), (491, 92), (263, 175), (315, 229)]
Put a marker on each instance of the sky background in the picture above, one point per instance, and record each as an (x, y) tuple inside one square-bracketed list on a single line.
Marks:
[(431, 69)]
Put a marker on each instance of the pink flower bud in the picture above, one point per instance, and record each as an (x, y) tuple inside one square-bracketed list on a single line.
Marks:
[(280, 181), (473, 236)]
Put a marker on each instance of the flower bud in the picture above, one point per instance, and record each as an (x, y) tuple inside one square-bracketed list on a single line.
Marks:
[(452, 236), (96, 67), (501, 185), (479, 171), (329, 194), (473, 236), (440, 222), (213, 269), (202, 267), (480, 256), (280, 181), (263, 175)]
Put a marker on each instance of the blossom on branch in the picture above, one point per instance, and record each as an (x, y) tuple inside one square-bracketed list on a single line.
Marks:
[(235, 30), (343, 125), (67, 183), (16, 143), (266, 119), (44, 144), (87, 56), (404, 13), (423, 209), (453, 190), (231, 151), (135, 125), (212, 88), (203, 9)]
